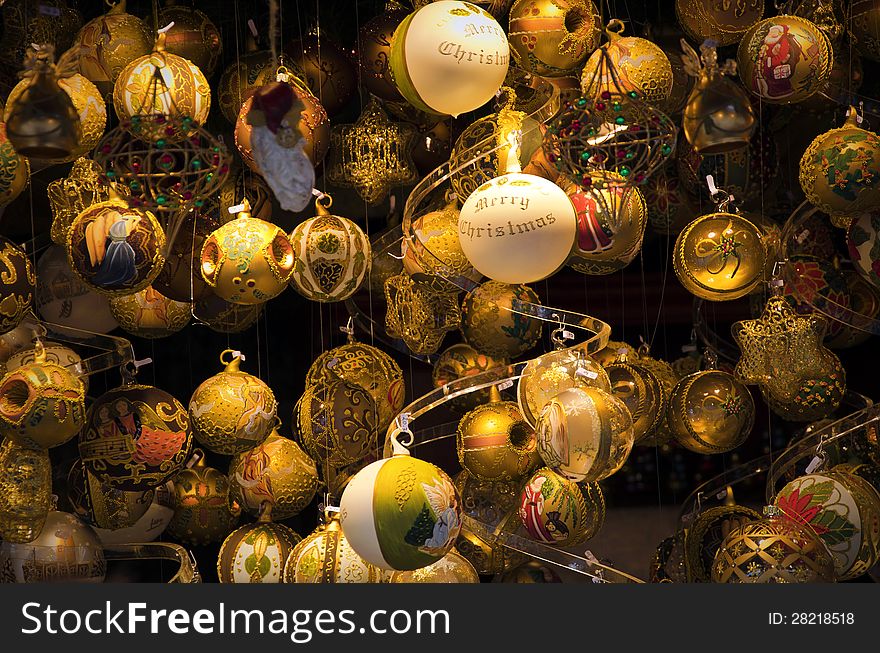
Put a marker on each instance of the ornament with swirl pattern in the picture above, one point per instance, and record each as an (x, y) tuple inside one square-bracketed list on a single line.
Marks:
[(256, 553)]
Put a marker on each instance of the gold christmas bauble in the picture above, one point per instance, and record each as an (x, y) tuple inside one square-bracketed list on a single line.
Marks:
[(641, 392), (15, 171), (332, 256), (772, 550), (337, 421), (560, 512), (256, 553), (41, 403), (368, 367), (108, 43), (241, 78), (460, 361), (150, 314), (53, 22), (202, 514), (180, 279), (164, 84), (17, 284), (839, 169), (25, 490), (193, 36), (495, 443), (667, 376), (247, 260), (552, 38), (705, 535), (115, 249), (374, 52), (325, 556), (103, 506), (276, 471), (720, 256), (710, 412), (433, 256), (638, 65), (530, 573), (546, 376), (66, 550), (610, 227), (863, 26), (615, 351), (232, 411), (784, 59), (326, 68), (223, 317), (814, 398), (451, 568), (491, 323), (721, 22), (55, 353)]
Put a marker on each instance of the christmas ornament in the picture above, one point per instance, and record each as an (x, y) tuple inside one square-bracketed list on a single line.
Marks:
[(493, 503), (202, 514), (546, 376), (818, 284), (724, 23), (374, 51), (337, 421), (784, 59), (326, 68), (843, 510), (720, 256), (54, 353), (276, 471), (641, 392), (224, 317), (772, 550), (180, 279), (73, 194), (192, 36), (560, 512), (531, 572), (325, 556), (367, 367), (115, 249), (432, 146), (332, 256), (41, 403), (55, 24), (635, 64), (150, 314), (611, 224), (17, 284), (25, 486), (372, 155), (232, 411), (682, 82), (108, 43), (864, 249), (241, 183), (66, 550), (864, 300), (615, 351), (434, 256), (863, 21), (242, 77), (552, 38), (815, 397), (103, 506), (418, 315), (495, 443), (461, 361), (706, 534), (401, 513), (710, 412), (161, 96), (451, 568), (584, 433), (256, 553), (839, 169), (494, 322), (18, 339), (449, 57), (667, 377), (15, 170), (247, 260), (718, 116), (136, 437)]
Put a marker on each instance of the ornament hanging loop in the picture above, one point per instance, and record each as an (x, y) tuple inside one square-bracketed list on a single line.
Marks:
[(614, 28), (560, 334), (348, 329), (234, 355), (401, 437)]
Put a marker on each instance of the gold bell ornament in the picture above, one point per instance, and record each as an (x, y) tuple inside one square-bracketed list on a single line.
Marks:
[(495, 443), (784, 59), (25, 489), (41, 403), (401, 513), (150, 314), (247, 260), (325, 556), (17, 284), (641, 392), (552, 38), (192, 35), (365, 366), (256, 553), (461, 361), (718, 116), (558, 511), (494, 322), (276, 471), (722, 22), (332, 255), (203, 513), (232, 411), (840, 168), (451, 568)]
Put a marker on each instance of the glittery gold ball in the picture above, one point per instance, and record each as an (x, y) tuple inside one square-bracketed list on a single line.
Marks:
[(451, 568), (325, 556), (200, 498), (724, 23), (193, 36), (814, 398), (256, 553), (639, 66), (490, 326), (276, 471), (495, 443), (460, 361), (150, 314), (109, 43)]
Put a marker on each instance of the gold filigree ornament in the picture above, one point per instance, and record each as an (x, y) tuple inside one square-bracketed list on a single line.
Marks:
[(418, 315), (705, 535), (69, 196), (372, 155), (25, 489)]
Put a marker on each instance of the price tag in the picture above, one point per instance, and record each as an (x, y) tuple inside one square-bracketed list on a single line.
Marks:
[(567, 335), (333, 362), (815, 464), (252, 27), (583, 371), (504, 385), (403, 421), (721, 494)]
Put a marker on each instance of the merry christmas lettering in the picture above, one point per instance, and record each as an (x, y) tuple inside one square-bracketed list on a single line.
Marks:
[(449, 49), (509, 229)]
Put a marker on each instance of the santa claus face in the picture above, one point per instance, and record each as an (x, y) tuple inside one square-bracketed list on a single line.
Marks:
[(775, 33)]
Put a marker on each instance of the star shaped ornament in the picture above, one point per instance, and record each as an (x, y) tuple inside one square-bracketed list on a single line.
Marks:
[(373, 155), (781, 349)]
